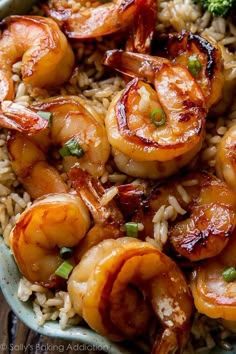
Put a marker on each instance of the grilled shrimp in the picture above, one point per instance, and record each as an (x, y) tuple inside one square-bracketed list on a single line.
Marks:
[(120, 285), (213, 294), (154, 132), (74, 126), (52, 222), (226, 157), (202, 58), (202, 211), (98, 20), (43, 48), (106, 215)]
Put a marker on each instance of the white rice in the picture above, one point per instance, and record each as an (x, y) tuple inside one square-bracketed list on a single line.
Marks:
[(175, 204), (47, 305), (183, 193), (109, 195)]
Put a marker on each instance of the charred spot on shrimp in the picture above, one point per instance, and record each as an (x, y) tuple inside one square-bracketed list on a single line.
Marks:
[(175, 44), (192, 109), (198, 239), (3, 25), (206, 47)]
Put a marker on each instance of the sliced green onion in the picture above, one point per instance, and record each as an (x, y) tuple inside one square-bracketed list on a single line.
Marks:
[(131, 229), (66, 252), (158, 112), (194, 65), (71, 148), (46, 115), (64, 270), (229, 274)]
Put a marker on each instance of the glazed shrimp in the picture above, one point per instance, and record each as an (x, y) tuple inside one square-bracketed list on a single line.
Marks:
[(121, 285), (154, 132), (72, 120), (43, 48), (98, 20), (202, 221), (107, 217), (213, 295), (202, 57), (52, 222), (73, 117), (226, 157)]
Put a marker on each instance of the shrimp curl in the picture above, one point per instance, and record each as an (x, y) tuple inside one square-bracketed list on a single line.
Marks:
[(43, 48), (52, 222), (129, 279), (73, 120), (154, 132)]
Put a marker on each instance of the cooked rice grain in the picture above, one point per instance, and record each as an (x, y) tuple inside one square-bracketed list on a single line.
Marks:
[(175, 204), (183, 193), (109, 195)]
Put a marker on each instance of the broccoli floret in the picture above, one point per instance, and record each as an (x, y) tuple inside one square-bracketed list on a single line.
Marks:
[(217, 7)]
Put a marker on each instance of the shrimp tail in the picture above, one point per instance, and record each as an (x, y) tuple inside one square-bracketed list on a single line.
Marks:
[(142, 32), (165, 343), (107, 218), (16, 117), (91, 191), (134, 65)]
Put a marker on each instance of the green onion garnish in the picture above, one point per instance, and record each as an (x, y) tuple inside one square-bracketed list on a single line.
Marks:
[(66, 252), (229, 274), (64, 270), (194, 65), (46, 115), (131, 229), (71, 148), (158, 112)]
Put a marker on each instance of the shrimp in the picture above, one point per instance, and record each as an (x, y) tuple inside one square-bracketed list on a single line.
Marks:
[(226, 157), (120, 286), (72, 120), (50, 223), (213, 295), (43, 48), (154, 132), (107, 218), (98, 20), (189, 49), (142, 31), (203, 214)]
